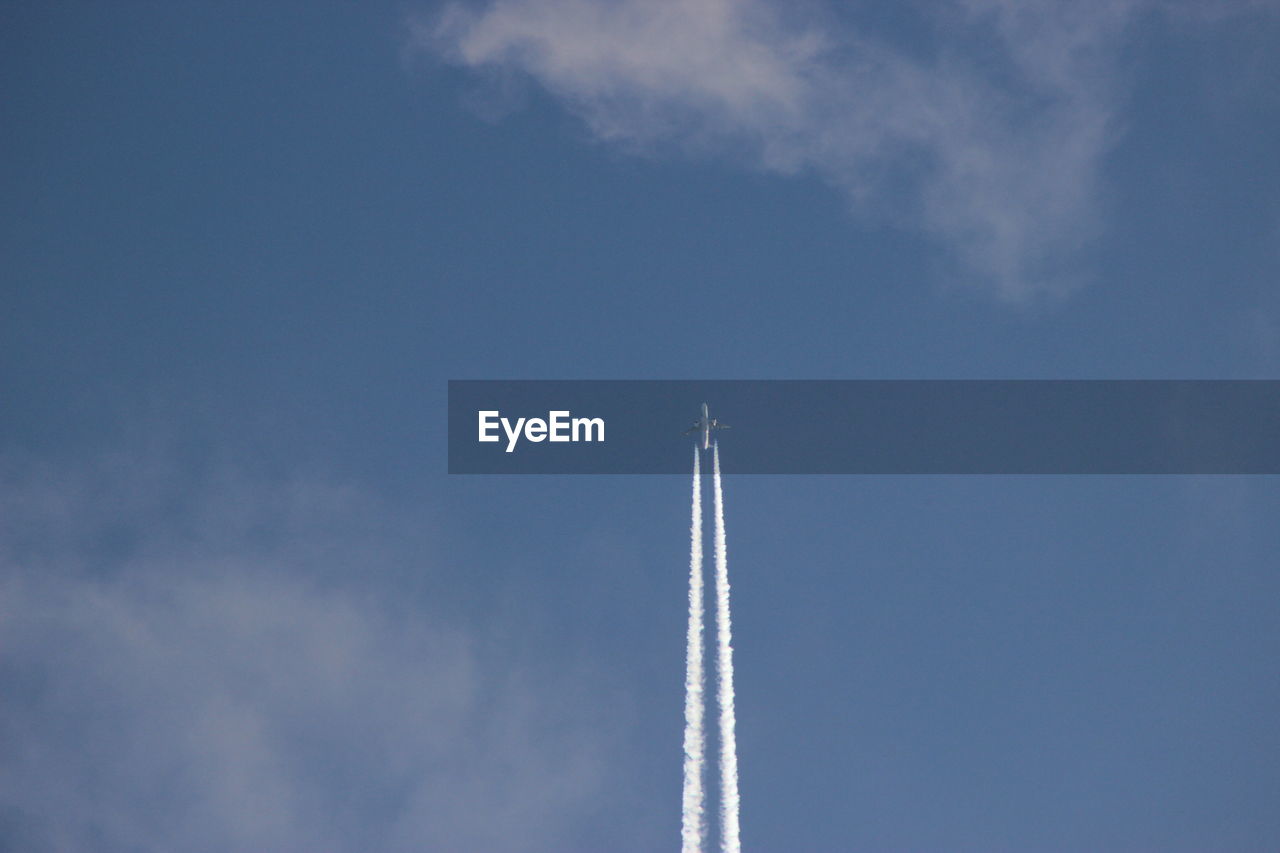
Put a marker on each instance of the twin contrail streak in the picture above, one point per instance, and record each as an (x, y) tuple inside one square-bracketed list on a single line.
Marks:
[(693, 824), (692, 827), (729, 841)]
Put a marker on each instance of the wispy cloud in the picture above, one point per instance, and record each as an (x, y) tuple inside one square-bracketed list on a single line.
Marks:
[(990, 140), (244, 672)]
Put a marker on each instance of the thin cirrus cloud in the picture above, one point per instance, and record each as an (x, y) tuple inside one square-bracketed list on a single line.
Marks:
[(990, 140), (232, 664)]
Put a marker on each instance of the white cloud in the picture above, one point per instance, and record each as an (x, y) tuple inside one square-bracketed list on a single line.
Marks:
[(247, 674), (991, 141)]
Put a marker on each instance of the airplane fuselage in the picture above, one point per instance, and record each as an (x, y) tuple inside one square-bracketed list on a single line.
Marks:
[(703, 426)]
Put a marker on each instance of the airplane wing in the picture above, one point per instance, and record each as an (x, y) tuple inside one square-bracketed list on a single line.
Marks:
[(723, 426), (691, 429)]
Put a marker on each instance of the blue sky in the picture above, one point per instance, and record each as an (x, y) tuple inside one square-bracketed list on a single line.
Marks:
[(245, 245)]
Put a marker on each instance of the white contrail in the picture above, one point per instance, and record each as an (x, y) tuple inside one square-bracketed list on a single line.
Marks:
[(692, 829), (729, 841)]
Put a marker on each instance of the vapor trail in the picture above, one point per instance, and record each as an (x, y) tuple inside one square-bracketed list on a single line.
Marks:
[(691, 829), (729, 841)]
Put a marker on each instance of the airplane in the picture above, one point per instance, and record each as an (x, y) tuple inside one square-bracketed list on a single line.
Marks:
[(705, 425)]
